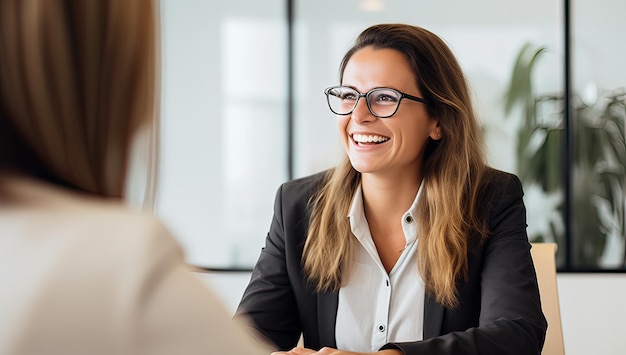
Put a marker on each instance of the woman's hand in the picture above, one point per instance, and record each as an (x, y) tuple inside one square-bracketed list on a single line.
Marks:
[(296, 351), (331, 351)]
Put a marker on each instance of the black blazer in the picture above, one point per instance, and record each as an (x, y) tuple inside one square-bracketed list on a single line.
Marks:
[(499, 311)]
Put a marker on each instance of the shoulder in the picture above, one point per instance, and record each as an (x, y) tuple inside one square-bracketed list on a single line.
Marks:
[(502, 180), (132, 241), (119, 246), (301, 189), (293, 198), (115, 226), (135, 236), (307, 183), (94, 232), (78, 254), (502, 196), (500, 185)]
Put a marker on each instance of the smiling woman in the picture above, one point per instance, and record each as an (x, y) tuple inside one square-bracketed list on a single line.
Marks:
[(406, 134), (413, 244)]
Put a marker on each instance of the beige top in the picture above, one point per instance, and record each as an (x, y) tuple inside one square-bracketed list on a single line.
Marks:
[(79, 275)]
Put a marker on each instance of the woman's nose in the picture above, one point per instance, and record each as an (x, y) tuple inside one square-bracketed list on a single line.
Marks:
[(361, 112)]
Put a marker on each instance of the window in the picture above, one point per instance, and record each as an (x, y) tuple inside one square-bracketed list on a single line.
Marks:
[(244, 110), (223, 133)]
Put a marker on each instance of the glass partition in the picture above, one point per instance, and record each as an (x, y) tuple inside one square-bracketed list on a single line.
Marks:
[(223, 134), (599, 156), (226, 135)]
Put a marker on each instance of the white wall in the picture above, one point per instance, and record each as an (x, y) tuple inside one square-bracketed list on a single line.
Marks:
[(593, 308)]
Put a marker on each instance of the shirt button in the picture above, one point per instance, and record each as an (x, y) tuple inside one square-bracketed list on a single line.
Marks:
[(408, 219), (381, 327)]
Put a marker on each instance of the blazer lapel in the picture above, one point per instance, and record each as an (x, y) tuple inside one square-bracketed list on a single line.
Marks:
[(433, 317), (327, 304)]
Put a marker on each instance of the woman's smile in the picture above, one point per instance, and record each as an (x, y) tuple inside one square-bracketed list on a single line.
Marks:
[(368, 139)]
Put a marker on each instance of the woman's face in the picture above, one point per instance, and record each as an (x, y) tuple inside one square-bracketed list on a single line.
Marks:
[(391, 146)]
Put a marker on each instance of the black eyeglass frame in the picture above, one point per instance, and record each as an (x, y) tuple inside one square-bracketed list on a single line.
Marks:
[(367, 101)]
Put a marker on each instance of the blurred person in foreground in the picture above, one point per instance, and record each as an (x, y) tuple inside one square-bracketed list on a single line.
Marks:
[(413, 244), (82, 272)]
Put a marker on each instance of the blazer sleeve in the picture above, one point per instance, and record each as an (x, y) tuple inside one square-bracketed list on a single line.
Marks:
[(511, 320)]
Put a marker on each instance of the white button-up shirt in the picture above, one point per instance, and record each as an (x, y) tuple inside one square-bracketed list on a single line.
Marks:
[(376, 308)]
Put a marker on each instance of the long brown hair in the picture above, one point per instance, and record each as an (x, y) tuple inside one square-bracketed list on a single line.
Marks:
[(77, 80), (453, 172)]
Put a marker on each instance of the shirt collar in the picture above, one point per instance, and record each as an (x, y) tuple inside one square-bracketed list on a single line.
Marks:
[(358, 222)]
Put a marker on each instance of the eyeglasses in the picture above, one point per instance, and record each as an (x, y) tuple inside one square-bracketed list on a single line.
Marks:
[(382, 102)]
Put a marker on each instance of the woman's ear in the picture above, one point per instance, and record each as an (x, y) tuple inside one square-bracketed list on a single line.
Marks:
[(435, 134)]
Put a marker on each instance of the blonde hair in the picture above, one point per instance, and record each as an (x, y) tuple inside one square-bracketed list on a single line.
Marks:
[(77, 80), (449, 213)]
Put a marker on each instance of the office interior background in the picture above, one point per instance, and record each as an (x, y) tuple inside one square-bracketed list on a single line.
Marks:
[(243, 110)]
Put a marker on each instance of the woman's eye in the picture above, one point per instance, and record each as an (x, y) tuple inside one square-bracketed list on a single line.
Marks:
[(347, 96), (385, 98)]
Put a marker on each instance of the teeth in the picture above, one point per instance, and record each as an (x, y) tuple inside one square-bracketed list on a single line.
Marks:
[(362, 138)]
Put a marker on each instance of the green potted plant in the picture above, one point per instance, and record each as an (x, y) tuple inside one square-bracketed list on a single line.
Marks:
[(599, 160)]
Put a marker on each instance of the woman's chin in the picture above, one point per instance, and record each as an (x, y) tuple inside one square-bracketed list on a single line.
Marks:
[(363, 167)]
